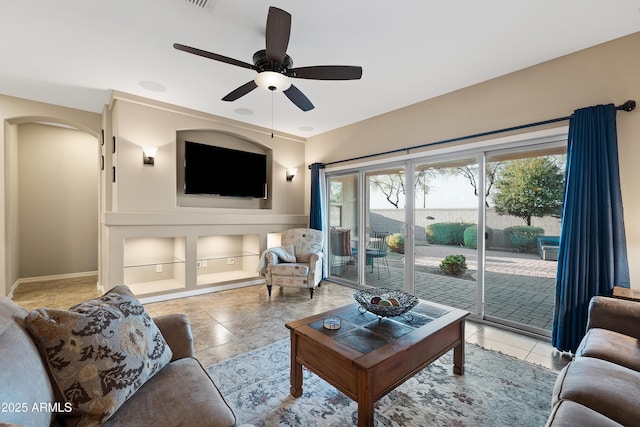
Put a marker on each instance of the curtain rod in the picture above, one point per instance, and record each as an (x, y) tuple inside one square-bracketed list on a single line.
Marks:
[(627, 106)]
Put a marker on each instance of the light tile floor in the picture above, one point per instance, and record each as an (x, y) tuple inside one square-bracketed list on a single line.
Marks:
[(228, 323)]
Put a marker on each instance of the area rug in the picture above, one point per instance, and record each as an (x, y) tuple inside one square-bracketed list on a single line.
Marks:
[(496, 390)]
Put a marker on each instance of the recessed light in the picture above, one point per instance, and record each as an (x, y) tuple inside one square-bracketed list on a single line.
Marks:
[(305, 128), (152, 86), (243, 111)]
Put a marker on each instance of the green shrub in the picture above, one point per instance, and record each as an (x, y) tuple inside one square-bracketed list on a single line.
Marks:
[(522, 237), (446, 233), (471, 237), (454, 265), (396, 243)]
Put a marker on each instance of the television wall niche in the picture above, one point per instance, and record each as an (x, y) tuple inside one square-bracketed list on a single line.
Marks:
[(222, 170)]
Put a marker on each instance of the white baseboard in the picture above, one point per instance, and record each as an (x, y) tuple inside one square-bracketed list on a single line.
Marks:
[(196, 292), (13, 288), (27, 280), (53, 277), (57, 277)]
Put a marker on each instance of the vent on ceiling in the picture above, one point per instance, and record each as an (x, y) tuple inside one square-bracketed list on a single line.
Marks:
[(200, 3)]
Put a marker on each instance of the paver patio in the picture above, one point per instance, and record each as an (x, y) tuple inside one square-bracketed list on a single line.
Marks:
[(520, 287)]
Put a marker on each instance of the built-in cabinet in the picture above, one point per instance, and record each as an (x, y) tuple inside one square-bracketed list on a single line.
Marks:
[(170, 256)]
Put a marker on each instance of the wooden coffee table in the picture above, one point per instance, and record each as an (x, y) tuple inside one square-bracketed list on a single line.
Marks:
[(367, 358)]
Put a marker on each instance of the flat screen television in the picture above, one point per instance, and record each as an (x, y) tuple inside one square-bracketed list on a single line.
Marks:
[(209, 169)]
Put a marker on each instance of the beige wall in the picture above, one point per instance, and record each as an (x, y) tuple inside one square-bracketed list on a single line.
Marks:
[(139, 188), (603, 74), (58, 201)]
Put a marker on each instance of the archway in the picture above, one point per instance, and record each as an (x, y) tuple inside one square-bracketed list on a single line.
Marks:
[(47, 215)]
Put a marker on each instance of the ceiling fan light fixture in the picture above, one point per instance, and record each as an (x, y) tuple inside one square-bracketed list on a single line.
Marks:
[(272, 81)]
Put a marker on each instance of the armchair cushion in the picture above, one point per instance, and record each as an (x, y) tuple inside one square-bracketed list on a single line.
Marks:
[(99, 352), (306, 242), (290, 269)]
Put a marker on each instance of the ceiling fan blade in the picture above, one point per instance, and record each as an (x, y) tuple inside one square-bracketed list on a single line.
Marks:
[(298, 98), (241, 91), (214, 56), (278, 31), (327, 72)]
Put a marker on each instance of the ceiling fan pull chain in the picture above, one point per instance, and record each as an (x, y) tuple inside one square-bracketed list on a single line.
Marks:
[(271, 114)]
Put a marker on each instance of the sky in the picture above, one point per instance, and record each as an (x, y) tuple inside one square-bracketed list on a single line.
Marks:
[(446, 192)]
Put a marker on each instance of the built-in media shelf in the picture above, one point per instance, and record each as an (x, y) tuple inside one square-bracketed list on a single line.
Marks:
[(223, 259), (165, 256), (154, 264)]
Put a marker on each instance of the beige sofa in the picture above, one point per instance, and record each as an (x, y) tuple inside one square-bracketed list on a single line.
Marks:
[(601, 385), (179, 394)]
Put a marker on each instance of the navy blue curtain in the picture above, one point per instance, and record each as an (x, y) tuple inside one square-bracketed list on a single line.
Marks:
[(592, 256), (315, 210)]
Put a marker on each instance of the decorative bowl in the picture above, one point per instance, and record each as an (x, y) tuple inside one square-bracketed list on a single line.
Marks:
[(397, 302)]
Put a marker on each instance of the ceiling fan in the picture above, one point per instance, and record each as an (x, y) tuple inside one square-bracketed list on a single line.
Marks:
[(274, 65)]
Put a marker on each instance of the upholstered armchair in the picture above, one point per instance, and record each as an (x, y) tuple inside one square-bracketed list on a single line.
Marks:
[(297, 263)]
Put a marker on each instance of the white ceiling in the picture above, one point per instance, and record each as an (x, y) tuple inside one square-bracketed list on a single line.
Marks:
[(74, 52)]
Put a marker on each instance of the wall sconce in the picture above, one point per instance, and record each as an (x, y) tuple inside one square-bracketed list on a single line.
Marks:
[(291, 173), (149, 155)]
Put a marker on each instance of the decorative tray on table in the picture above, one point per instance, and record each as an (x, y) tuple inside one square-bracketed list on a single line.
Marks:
[(385, 302)]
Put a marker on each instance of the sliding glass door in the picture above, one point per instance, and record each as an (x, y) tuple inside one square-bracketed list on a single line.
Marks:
[(525, 190), (446, 232), (343, 212), (383, 243), (475, 229)]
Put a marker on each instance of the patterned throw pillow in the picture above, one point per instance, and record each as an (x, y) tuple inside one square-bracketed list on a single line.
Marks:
[(99, 352)]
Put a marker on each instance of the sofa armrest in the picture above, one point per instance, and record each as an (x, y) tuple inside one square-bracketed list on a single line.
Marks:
[(176, 330), (618, 315)]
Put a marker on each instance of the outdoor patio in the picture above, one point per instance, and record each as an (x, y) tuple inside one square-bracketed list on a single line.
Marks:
[(520, 287)]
